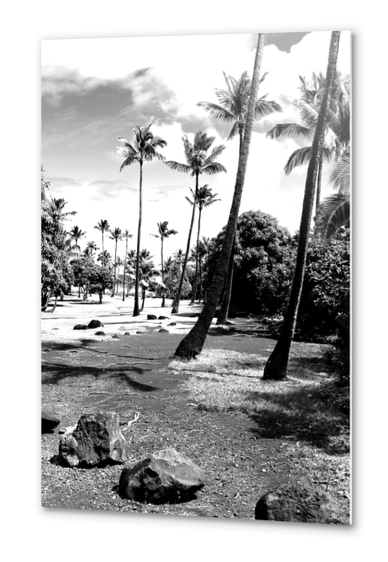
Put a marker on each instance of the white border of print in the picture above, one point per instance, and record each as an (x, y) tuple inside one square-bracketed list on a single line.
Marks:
[(63, 534)]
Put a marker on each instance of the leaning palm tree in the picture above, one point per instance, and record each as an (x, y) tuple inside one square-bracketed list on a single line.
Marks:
[(232, 108), (197, 162), (163, 233), (205, 198), (277, 364), (143, 149), (102, 226), (115, 235), (193, 342), (126, 235)]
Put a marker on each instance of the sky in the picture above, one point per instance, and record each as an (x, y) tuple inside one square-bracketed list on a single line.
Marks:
[(96, 90)]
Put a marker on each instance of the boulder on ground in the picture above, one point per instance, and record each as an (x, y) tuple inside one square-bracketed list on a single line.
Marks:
[(164, 477), (127, 334), (95, 324), (172, 324), (100, 333), (50, 419), (290, 502), (80, 327), (151, 317), (163, 330), (95, 440), (164, 318)]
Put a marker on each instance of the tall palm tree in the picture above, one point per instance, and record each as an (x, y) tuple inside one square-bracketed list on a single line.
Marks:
[(205, 198), (197, 162), (115, 235), (337, 132), (232, 107), (143, 149), (126, 235), (163, 233), (103, 226), (277, 364), (76, 233), (192, 343)]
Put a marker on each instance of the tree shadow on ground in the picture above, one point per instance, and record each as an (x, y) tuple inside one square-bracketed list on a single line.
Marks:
[(303, 415), (56, 373)]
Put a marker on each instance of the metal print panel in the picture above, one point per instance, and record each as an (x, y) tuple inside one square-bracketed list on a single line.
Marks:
[(195, 196)]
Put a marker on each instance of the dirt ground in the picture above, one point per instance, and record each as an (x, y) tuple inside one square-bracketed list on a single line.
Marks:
[(128, 373)]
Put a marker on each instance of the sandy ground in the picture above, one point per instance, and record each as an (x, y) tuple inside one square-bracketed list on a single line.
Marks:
[(116, 315)]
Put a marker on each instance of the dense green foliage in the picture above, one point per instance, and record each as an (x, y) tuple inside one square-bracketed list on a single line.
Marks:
[(56, 274), (263, 259)]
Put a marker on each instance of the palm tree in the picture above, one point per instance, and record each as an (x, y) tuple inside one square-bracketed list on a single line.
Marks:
[(198, 162), (232, 108), (103, 226), (148, 273), (91, 248), (334, 211), (200, 253), (105, 259), (277, 364), (337, 125), (76, 234), (143, 149), (192, 343), (163, 232), (126, 235), (116, 235), (205, 198)]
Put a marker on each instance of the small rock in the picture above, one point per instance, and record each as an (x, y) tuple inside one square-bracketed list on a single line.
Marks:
[(95, 440), (50, 419), (95, 324), (304, 504), (164, 318), (140, 332), (80, 327), (127, 334), (100, 333), (164, 477), (164, 330), (115, 337), (151, 317), (172, 324)]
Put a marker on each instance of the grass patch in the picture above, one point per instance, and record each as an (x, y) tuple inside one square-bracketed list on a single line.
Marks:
[(301, 407)]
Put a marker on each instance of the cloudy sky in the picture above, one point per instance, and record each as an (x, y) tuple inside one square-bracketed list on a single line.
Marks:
[(95, 90)]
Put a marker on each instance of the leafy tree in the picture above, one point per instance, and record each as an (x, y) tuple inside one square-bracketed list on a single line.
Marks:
[(163, 233), (143, 149), (197, 162), (192, 343), (56, 273), (277, 364), (99, 280), (103, 226)]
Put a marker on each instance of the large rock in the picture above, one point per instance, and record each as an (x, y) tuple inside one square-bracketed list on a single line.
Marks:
[(93, 324), (80, 327), (304, 504), (163, 318), (151, 317), (164, 477), (50, 419), (95, 440)]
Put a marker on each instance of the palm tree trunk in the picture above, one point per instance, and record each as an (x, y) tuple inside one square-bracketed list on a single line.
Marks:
[(115, 269), (161, 258), (136, 305), (125, 257), (193, 342), (277, 364), (196, 258), (175, 308), (103, 255), (319, 182), (224, 312)]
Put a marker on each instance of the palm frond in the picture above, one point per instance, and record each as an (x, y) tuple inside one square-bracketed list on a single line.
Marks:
[(299, 157), (291, 130), (213, 168), (217, 111), (340, 176), (334, 212), (178, 167), (234, 131), (264, 108)]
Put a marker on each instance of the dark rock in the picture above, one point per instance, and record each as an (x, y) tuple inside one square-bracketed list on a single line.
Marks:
[(115, 336), (140, 332), (95, 440), (100, 333), (50, 419), (163, 330), (164, 318), (127, 334), (151, 317), (80, 327), (164, 477), (172, 324), (304, 504), (95, 324)]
